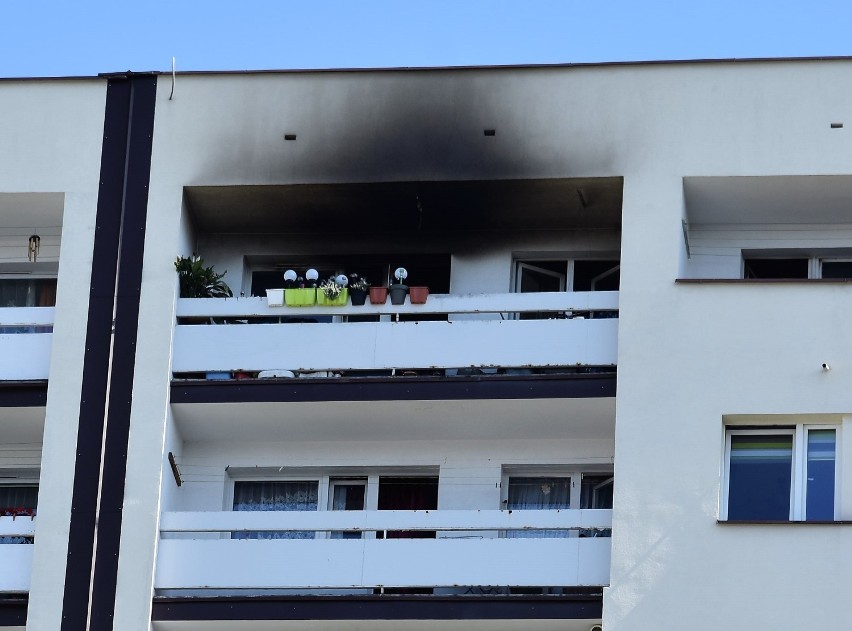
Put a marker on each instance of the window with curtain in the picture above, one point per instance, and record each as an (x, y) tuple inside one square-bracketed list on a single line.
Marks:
[(276, 496), (538, 493)]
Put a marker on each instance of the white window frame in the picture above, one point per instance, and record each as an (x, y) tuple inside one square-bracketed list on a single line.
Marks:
[(798, 478)]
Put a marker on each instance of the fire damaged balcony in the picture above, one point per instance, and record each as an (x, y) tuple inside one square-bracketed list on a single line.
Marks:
[(486, 332)]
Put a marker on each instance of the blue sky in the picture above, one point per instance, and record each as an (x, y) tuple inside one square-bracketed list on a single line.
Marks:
[(87, 37)]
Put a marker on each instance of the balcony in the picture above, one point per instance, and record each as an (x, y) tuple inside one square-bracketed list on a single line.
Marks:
[(25, 335), (15, 558), (479, 330), (472, 548)]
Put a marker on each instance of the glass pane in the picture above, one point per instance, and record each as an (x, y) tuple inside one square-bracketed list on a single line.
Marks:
[(539, 493), (837, 269), (596, 491), (275, 496), (347, 496), (533, 280), (33, 292), (820, 471), (775, 268), (761, 470)]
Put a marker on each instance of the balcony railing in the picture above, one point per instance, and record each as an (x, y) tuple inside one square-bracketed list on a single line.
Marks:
[(471, 548), (25, 339), (481, 330), (16, 559)]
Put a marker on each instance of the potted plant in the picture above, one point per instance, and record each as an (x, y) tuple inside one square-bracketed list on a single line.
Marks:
[(300, 291), (399, 290), (333, 292), (358, 289), (198, 281)]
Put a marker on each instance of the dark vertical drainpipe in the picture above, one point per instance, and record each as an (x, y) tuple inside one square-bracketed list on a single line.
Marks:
[(108, 366)]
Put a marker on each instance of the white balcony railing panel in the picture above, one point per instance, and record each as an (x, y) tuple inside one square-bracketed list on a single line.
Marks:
[(467, 551), (16, 562), (16, 559), (578, 301), (387, 345), (22, 341), (445, 520), (365, 563), (19, 526)]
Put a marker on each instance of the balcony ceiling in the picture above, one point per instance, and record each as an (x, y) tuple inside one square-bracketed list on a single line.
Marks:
[(21, 425), (543, 204), (790, 199), (25, 212), (397, 420)]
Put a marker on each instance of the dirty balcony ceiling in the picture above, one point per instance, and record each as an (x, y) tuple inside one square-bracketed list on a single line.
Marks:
[(530, 204)]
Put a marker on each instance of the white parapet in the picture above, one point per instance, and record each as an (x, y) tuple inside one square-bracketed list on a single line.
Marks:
[(471, 548), (25, 342), (16, 559), (571, 337)]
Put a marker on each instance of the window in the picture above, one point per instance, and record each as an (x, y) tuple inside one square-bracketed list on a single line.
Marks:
[(335, 493), (566, 275), (30, 292), (764, 266), (275, 496), (566, 490), (781, 474)]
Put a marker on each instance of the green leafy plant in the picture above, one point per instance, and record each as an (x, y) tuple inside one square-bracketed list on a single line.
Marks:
[(331, 288), (198, 281)]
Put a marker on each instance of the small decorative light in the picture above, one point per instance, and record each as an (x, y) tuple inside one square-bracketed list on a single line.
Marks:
[(400, 274), (312, 274), (33, 247), (342, 280), (290, 275)]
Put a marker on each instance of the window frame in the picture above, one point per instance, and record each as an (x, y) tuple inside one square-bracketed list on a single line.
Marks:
[(798, 477)]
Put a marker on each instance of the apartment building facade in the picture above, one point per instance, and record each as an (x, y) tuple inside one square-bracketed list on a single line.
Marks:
[(679, 230)]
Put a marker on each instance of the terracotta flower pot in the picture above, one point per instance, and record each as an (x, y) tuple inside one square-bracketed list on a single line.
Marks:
[(418, 295), (378, 295)]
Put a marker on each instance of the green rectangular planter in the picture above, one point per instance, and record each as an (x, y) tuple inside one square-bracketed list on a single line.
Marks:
[(340, 301), (300, 297)]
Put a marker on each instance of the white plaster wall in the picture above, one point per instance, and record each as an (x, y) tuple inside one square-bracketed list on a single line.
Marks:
[(469, 470), (651, 124), (52, 133)]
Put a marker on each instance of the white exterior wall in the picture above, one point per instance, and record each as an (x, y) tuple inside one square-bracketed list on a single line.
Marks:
[(52, 132), (469, 470), (653, 125)]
